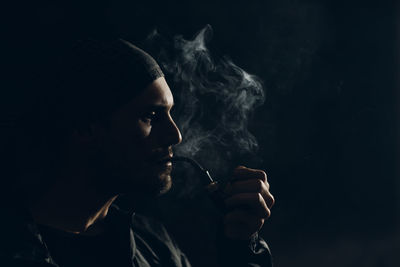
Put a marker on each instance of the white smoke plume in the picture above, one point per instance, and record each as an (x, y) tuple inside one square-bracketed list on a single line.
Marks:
[(215, 99)]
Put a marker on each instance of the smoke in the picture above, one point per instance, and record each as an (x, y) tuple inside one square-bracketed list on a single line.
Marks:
[(214, 100)]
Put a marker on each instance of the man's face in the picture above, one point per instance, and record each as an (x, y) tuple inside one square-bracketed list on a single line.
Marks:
[(138, 137)]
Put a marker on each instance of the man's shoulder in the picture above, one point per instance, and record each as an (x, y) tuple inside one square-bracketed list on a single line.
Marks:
[(143, 225), (153, 240)]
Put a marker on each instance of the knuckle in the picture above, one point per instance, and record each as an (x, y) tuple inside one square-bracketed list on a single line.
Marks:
[(267, 213), (238, 170), (259, 186), (267, 185), (272, 200), (260, 197), (263, 175)]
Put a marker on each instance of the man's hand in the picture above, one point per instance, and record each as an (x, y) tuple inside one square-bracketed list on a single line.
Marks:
[(248, 202)]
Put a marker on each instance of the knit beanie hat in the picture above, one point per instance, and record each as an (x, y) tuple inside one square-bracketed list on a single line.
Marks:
[(97, 77)]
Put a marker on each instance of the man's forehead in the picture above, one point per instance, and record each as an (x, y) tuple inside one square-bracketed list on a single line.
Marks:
[(157, 93)]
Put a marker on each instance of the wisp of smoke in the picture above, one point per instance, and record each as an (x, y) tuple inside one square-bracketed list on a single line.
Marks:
[(214, 97)]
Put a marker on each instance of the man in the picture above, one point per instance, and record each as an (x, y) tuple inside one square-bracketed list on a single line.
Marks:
[(103, 131)]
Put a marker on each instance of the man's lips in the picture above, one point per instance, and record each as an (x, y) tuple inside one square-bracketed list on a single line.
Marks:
[(160, 159)]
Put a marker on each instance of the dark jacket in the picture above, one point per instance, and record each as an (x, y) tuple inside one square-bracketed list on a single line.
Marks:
[(131, 240)]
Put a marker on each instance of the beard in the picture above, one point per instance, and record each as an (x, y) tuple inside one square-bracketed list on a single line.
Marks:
[(148, 180), (153, 181), (124, 172)]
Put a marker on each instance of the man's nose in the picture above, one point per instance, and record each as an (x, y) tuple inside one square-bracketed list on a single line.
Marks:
[(171, 135)]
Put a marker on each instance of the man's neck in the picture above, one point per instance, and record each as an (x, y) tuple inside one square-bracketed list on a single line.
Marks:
[(73, 207)]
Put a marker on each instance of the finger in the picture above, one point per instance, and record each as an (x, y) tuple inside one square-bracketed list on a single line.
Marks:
[(249, 201), (244, 173), (240, 224), (270, 200), (251, 186)]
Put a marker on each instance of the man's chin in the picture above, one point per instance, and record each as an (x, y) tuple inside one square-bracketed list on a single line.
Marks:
[(151, 185), (160, 180)]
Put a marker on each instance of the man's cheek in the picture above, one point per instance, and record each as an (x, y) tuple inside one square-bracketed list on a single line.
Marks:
[(142, 129)]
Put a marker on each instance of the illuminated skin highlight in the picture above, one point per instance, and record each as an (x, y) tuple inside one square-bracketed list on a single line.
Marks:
[(126, 155), (120, 155), (137, 137), (249, 202)]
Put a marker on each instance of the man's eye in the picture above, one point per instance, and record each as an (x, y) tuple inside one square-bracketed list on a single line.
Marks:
[(148, 117)]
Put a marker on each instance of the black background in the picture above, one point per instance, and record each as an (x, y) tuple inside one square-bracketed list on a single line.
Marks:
[(328, 129)]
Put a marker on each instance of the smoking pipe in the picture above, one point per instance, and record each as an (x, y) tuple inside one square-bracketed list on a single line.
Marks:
[(212, 186)]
